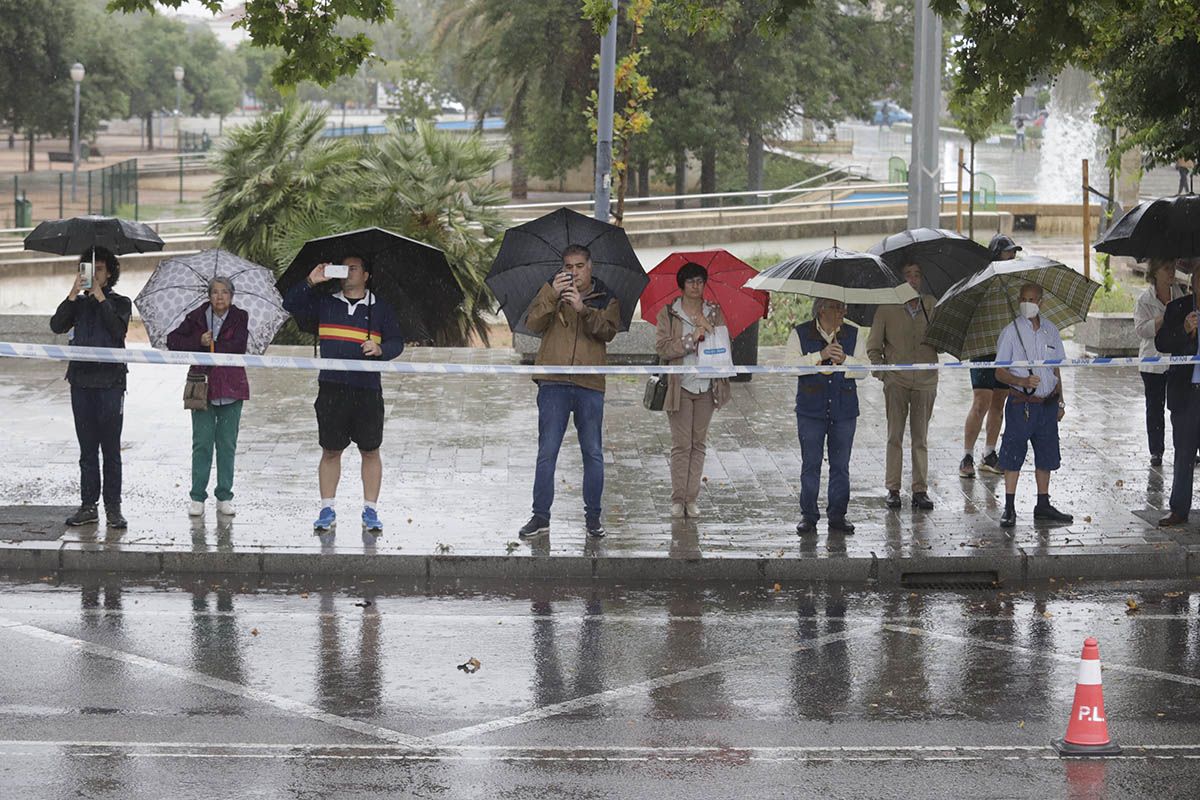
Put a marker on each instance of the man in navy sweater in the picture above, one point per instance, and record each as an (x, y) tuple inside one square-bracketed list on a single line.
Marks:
[(350, 324)]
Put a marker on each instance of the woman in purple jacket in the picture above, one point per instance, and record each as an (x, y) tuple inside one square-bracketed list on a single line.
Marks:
[(217, 326)]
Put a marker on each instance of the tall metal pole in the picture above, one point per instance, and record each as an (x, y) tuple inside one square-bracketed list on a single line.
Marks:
[(924, 171), (178, 74), (604, 117), (1087, 224), (77, 73), (958, 195)]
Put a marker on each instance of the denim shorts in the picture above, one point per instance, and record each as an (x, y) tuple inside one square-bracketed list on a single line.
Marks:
[(1040, 429)]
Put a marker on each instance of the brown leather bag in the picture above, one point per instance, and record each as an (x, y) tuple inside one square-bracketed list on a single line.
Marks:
[(195, 392)]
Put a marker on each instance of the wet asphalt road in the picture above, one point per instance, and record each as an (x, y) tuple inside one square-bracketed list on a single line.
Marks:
[(214, 689)]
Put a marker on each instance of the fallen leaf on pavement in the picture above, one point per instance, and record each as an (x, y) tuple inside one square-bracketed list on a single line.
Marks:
[(470, 666), (1131, 606), (1047, 614), (364, 604), (508, 548), (1172, 594), (254, 631), (778, 587)]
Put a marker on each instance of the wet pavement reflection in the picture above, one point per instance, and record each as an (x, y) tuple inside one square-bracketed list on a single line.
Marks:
[(115, 688)]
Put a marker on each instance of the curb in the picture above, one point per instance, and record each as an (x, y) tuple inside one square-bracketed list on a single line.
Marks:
[(912, 571)]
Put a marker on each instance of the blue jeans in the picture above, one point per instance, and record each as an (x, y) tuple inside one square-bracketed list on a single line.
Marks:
[(814, 433), (556, 403)]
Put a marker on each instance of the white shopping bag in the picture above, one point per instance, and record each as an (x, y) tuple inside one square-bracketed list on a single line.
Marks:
[(716, 351)]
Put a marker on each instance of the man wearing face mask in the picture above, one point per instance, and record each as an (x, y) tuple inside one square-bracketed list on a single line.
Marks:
[(1034, 406)]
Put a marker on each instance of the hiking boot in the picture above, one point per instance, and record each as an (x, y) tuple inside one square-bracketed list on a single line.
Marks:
[(84, 515), (537, 526), (991, 463), (326, 520), (966, 467), (595, 528), (370, 520), (114, 518), (1049, 513)]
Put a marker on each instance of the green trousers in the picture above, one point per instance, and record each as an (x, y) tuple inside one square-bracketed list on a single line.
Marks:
[(215, 426)]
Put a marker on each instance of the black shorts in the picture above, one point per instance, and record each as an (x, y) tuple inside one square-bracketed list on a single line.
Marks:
[(349, 414), (985, 378)]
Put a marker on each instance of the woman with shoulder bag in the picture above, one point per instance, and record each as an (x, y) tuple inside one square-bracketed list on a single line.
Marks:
[(221, 327), (691, 399)]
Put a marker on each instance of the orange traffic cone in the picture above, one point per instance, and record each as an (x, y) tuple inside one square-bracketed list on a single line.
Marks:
[(1087, 730)]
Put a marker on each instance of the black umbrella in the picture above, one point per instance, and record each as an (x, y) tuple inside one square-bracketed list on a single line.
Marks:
[(77, 235), (860, 280), (412, 277), (945, 257), (531, 253), (1168, 227)]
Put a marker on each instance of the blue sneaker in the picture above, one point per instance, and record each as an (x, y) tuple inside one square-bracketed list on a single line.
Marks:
[(326, 520), (371, 520)]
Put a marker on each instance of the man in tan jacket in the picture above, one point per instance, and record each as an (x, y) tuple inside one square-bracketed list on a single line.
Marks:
[(897, 337), (577, 317)]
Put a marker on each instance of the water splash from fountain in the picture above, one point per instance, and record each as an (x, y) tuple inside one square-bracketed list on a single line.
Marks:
[(1070, 136)]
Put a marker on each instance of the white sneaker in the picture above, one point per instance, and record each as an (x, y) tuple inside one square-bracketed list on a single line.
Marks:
[(225, 507), (195, 509), (693, 509), (676, 510)]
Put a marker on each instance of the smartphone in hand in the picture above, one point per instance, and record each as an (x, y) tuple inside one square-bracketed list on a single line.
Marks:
[(87, 274), (337, 271)]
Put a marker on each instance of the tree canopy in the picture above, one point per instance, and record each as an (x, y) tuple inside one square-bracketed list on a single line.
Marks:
[(1145, 55)]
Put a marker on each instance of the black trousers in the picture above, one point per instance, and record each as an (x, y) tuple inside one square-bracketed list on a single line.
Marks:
[(99, 416), (1185, 433), (1156, 400)]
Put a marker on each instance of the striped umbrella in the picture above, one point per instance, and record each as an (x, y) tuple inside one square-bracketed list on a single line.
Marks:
[(857, 279), (968, 319)]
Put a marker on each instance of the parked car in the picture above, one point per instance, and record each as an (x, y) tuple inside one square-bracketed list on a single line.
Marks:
[(887, 112)]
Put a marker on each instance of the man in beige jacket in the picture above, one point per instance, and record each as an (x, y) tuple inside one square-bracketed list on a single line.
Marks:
[(577, 317), (898, 337)]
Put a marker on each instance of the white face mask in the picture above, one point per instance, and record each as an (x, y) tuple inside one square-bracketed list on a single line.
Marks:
[(1029, 310)]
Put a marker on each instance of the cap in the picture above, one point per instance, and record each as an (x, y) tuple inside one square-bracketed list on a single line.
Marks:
[(1001, 242)]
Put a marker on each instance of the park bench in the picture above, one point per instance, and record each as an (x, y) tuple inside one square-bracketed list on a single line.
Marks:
[(59, 156)]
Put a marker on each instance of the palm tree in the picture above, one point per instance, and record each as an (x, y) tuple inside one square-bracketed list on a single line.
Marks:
[(431, 186), (272, 171)]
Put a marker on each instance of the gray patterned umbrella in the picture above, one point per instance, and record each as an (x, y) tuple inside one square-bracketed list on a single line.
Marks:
[(180, 285)]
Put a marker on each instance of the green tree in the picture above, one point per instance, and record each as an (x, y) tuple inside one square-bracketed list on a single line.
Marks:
[(39, 41), (305, 31), (273, 171), (1145, 55), (976, 113), (212, 80), (431, 186)]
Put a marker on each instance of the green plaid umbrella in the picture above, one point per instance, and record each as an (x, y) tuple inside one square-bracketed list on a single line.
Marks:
[(968, 319)]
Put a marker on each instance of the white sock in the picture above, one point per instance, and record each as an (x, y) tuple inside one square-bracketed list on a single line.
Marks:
[(969, 454), (369, 504), (327, 502)]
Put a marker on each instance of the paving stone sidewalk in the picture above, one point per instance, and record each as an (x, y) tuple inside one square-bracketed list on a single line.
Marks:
[(459, 454)]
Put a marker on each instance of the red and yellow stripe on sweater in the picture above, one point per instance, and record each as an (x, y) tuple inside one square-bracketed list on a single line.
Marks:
[(347, 333)]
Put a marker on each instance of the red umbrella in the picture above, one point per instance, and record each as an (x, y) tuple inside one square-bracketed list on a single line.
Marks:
[(727, 275)]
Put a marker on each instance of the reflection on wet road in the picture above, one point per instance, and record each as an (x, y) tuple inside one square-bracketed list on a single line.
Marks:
[(212, 689)]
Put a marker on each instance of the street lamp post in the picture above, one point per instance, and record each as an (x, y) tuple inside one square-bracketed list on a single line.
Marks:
[(77, 73), (178, 103)]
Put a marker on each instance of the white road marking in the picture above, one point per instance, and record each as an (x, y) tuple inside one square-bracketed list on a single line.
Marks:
[(631, 690), (200, 679), (1072, 659)]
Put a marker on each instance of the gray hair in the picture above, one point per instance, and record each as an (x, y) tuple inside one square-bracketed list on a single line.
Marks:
[(1031, 285), (821, 303), (221, 279)]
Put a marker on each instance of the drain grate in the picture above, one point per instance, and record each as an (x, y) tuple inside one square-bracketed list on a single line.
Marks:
[(982, 579)]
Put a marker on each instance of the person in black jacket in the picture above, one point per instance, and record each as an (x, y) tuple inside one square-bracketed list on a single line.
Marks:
[(1177, 337), (97, 317)]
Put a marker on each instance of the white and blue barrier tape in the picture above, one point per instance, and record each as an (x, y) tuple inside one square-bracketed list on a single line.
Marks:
[(181, 358)]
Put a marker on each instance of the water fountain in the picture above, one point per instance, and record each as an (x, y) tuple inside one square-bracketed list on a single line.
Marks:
[(1070, 136)]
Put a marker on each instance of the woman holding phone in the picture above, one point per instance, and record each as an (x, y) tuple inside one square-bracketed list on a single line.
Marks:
[(216, 326)]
